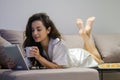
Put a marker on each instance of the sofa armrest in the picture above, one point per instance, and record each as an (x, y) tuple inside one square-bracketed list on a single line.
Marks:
[(52, 74)]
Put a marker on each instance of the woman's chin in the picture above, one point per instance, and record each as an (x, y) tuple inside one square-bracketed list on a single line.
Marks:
[(37, 40)]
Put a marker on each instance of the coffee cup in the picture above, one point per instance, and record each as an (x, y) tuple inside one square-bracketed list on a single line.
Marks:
[(28, 52)]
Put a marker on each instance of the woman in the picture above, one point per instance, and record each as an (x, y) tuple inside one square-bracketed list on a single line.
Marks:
[(42, 35), (48, 48)]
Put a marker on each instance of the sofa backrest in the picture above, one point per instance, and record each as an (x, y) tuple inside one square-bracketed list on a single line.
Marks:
[(73, 41), (109, 46), (12, 36)]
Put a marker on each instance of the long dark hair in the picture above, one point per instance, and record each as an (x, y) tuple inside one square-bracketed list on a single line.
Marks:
[(47, 22)]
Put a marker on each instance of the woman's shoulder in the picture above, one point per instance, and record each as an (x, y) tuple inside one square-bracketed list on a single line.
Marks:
[(57, 41)]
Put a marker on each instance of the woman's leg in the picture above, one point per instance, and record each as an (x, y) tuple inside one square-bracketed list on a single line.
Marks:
[(85, 34), (88, 28), (89, 24)]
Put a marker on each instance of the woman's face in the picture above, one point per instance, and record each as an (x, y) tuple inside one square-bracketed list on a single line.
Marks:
[(39, 32)]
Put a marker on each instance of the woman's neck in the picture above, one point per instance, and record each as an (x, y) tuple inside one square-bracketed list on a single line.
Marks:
[(45, 43)]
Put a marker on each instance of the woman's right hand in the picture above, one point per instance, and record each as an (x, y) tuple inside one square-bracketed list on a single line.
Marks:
[(35, 52)]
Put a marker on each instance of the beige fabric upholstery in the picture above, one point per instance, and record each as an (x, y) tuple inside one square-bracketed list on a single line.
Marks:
[(53, 74), (109, 46), (73, 41), (12, 36)]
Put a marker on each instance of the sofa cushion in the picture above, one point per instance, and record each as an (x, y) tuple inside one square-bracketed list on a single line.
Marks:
[(3, 57), (109, 46), (12, 36)]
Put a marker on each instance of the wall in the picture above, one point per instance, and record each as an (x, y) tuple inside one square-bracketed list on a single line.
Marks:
[(15, 13)]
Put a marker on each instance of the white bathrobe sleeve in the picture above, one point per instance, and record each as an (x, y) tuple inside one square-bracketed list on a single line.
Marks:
[(60, 52)]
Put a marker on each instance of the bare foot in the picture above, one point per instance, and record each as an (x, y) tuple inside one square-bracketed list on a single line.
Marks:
[(89, 24), (80, 26)]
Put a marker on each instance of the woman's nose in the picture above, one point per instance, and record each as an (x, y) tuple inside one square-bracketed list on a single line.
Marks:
[(35, 32)]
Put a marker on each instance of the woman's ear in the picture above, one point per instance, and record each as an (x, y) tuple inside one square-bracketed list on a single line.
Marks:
[(49, 30)]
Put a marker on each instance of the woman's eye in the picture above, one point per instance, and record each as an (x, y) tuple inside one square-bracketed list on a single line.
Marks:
[(33, 30), (39, 29)]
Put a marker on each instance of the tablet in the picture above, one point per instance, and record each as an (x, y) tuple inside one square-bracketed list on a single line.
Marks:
[(15, 53)]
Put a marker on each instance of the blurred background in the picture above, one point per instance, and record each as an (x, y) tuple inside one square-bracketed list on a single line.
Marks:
[(14, 14)]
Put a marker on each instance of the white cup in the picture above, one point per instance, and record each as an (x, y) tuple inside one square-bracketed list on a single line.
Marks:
[(28, 52)]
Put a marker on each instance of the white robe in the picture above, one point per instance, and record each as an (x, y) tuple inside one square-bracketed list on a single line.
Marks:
[(75, 57)]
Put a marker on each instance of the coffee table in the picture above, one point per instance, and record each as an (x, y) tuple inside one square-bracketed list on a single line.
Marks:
[(102, 70)]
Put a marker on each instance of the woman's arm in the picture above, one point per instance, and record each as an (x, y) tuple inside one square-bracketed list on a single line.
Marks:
[(47, 63), (42, 60)]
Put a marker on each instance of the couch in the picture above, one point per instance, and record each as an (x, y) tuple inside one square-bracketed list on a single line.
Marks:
[(108, 46)]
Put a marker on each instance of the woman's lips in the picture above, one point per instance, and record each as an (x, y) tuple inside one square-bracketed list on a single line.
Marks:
[(36, 38)]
